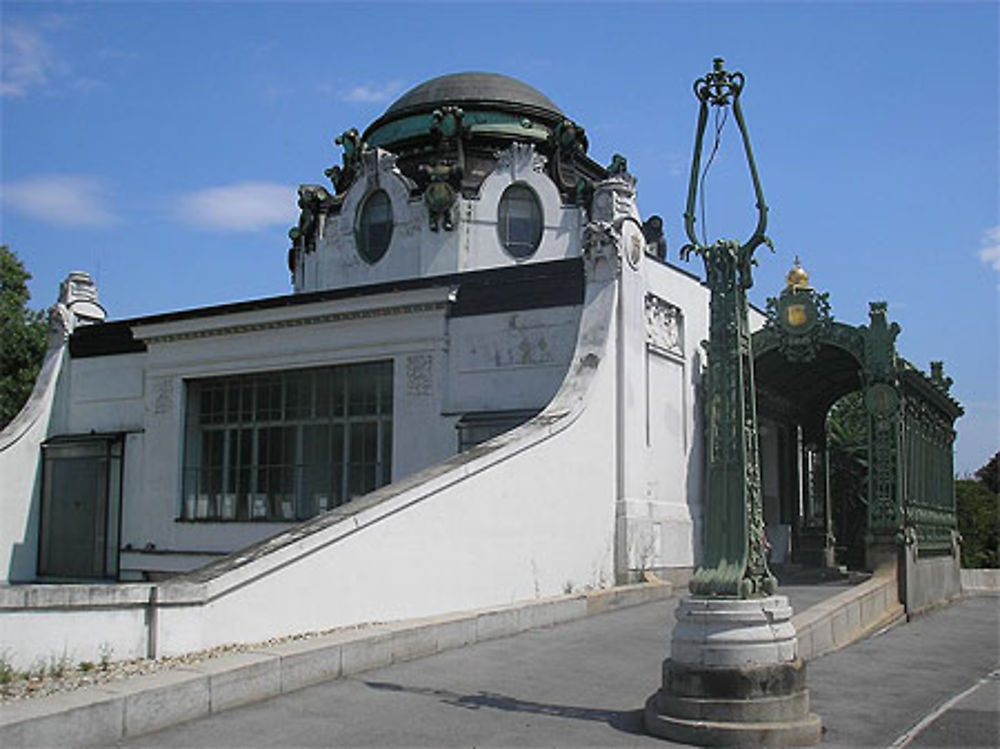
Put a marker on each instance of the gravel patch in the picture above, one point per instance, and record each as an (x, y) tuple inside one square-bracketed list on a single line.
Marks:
[(60, 677)]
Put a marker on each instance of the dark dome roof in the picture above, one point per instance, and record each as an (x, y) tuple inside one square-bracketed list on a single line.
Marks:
[(474, 88)]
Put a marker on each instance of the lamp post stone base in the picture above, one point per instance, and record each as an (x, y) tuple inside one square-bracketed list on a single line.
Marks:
[(734, 678)]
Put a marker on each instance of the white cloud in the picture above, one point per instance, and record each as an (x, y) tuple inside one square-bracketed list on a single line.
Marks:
[(989, 252), (244, 207), (61, 199), (27, 61), (30, 61), (373, 93)]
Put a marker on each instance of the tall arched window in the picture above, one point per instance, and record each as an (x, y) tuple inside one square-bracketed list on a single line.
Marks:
[(520, 221), (373, 227)]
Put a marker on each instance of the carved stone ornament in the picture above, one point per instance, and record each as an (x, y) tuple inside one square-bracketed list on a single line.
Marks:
[(520, 158), (60, 322), (601, 249), (162, 390), (77, 305), (419, 375), (664, 326), (614, 199), (635, 250)]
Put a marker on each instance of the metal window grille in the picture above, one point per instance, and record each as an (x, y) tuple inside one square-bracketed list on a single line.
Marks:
[(284, 446)]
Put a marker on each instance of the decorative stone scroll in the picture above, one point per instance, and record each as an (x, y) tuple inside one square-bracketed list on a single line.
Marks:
[(664, 326)]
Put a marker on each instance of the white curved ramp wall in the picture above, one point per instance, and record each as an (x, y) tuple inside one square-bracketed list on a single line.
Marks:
[(527, 515), (20, 451), (21, 440)]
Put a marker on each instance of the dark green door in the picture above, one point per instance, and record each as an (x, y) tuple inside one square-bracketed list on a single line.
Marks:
[(81, 498)]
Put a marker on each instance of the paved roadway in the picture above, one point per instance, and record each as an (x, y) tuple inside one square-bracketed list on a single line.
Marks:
[(582, 684)]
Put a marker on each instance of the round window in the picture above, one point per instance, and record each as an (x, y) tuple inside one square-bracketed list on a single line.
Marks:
[(520, 221), (373, 228)]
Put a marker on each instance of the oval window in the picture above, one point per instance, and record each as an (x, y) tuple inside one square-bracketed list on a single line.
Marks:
[(520, 221), (373, 228)]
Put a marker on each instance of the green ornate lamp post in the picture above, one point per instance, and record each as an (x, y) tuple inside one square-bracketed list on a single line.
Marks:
[(733, 677), (734, 561)]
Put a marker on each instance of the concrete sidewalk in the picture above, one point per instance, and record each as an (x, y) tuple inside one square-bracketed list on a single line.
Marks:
[(583, 683)]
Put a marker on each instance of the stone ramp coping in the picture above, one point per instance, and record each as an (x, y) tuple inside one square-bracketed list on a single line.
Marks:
[(849, 616), (978, 581), (106, 713)]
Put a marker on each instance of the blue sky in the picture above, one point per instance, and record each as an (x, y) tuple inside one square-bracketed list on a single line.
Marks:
[(158, 145)]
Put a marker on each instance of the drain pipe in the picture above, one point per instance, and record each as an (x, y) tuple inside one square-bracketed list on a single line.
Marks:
[(152, 622), (621, 520)]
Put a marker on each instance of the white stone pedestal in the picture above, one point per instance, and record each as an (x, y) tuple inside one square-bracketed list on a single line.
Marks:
[(733, 677)]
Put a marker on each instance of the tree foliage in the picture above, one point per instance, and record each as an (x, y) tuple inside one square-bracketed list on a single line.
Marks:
[(22, 337), (847, 443), (978, 506), (989, 474)]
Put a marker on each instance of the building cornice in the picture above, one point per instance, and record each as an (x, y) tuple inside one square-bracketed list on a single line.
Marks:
[(152, 337)]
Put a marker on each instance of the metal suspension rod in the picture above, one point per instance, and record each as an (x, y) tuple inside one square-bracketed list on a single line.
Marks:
[(720, 88)]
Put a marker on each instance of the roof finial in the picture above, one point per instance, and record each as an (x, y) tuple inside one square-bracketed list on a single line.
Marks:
[(797, 278)]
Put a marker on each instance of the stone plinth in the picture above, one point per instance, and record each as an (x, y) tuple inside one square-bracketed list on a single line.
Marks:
[(734, 677)]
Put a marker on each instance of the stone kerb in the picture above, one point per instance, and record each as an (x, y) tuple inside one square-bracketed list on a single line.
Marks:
[(103, 714)]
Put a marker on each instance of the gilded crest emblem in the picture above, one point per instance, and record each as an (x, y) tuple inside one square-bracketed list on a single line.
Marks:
[(797, 315)]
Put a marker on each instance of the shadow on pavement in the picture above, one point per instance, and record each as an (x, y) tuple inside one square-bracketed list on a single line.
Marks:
[(627, 721)]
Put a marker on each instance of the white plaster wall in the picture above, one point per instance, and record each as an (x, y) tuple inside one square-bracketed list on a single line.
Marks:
[(417, 251), (142, 394), (512, 534), (659, 507), (561, 225), (408, 328), (514, 360), (46, 624), (421, 434), (105, 394), (336, 262)]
